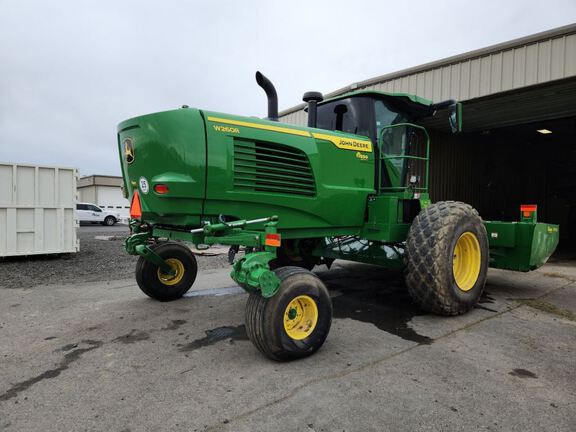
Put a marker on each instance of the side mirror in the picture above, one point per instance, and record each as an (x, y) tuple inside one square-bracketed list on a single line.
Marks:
[(455, 118)]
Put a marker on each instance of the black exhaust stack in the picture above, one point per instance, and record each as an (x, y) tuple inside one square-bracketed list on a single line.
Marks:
[(268, 87), (312, 98)]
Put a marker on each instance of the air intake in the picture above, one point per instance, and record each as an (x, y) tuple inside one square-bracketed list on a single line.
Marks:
[(273, 168)]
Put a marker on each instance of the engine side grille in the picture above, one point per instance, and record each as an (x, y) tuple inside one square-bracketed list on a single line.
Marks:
[(270, 167)]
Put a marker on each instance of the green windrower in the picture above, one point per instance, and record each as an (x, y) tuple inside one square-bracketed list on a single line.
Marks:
[(351, 185)]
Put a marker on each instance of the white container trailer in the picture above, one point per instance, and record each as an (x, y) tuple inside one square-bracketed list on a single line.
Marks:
[(37, 210)]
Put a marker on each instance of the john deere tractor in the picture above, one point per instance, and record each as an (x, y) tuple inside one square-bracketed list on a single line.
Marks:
[(352, 185)]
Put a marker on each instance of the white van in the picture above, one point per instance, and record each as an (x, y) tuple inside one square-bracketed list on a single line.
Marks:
[(88, 212)]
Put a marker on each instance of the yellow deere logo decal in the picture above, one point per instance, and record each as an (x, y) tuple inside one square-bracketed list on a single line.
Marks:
[(129, 150), (346, 143)]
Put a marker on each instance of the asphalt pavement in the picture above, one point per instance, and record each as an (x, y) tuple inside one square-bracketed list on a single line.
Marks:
[(119, 228), (102, 356)]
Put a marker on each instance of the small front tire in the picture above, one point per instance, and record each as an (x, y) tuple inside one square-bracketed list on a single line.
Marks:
[(163, 287), (295, 322)]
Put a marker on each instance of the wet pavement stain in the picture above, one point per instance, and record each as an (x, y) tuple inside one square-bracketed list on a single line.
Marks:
[(389, 314), (550, 308), (133, 336), (64, 364), (237, 333), (522, 373), (174, 325), (384, 302)]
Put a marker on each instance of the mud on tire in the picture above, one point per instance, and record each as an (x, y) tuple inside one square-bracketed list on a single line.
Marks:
[(440, 235)]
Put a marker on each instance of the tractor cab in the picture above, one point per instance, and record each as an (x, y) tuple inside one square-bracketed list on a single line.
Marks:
[(393, 122)]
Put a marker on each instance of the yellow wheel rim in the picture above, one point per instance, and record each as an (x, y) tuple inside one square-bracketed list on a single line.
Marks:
[(174, 279), (300, 317), (466, 261)]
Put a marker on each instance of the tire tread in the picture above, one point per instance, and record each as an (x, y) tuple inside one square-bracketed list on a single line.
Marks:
[(427, 256)]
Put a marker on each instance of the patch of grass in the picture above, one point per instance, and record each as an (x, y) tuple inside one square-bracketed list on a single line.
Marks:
[(549, 308)]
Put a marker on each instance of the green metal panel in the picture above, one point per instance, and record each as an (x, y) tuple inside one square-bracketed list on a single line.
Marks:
[(521, 246), (258, 167), (168, 148), (384, 220), (361, 250)]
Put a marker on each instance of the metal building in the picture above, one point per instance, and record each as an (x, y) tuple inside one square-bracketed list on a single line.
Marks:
[(105, 192), (519, 139)]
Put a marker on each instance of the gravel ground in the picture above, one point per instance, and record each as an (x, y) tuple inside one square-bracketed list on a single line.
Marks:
[(98, 260)]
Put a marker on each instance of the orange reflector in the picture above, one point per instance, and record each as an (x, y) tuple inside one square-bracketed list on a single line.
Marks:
[(272, 240), (528, 209), (135, 208), (161, 189)]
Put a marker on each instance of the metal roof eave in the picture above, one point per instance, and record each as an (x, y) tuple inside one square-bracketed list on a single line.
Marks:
[(548, 34)]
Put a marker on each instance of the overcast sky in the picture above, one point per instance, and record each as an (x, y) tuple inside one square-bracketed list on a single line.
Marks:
[(70, 71)]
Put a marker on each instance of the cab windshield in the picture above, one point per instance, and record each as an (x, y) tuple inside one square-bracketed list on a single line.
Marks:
[(349, 115)]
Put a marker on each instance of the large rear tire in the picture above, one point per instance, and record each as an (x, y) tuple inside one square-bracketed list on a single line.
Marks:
[(295, 322), (447, 258), (163, 287)]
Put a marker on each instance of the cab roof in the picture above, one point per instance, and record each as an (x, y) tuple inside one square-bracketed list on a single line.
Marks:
[(404, 102)]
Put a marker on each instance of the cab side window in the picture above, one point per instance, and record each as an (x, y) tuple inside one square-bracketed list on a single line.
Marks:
[(385, 116)]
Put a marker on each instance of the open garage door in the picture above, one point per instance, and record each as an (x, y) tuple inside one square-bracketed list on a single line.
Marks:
[(536, 164), (518, 147)]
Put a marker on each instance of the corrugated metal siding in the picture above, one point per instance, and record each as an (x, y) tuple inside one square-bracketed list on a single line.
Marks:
[(537, 62), (297, 118)]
